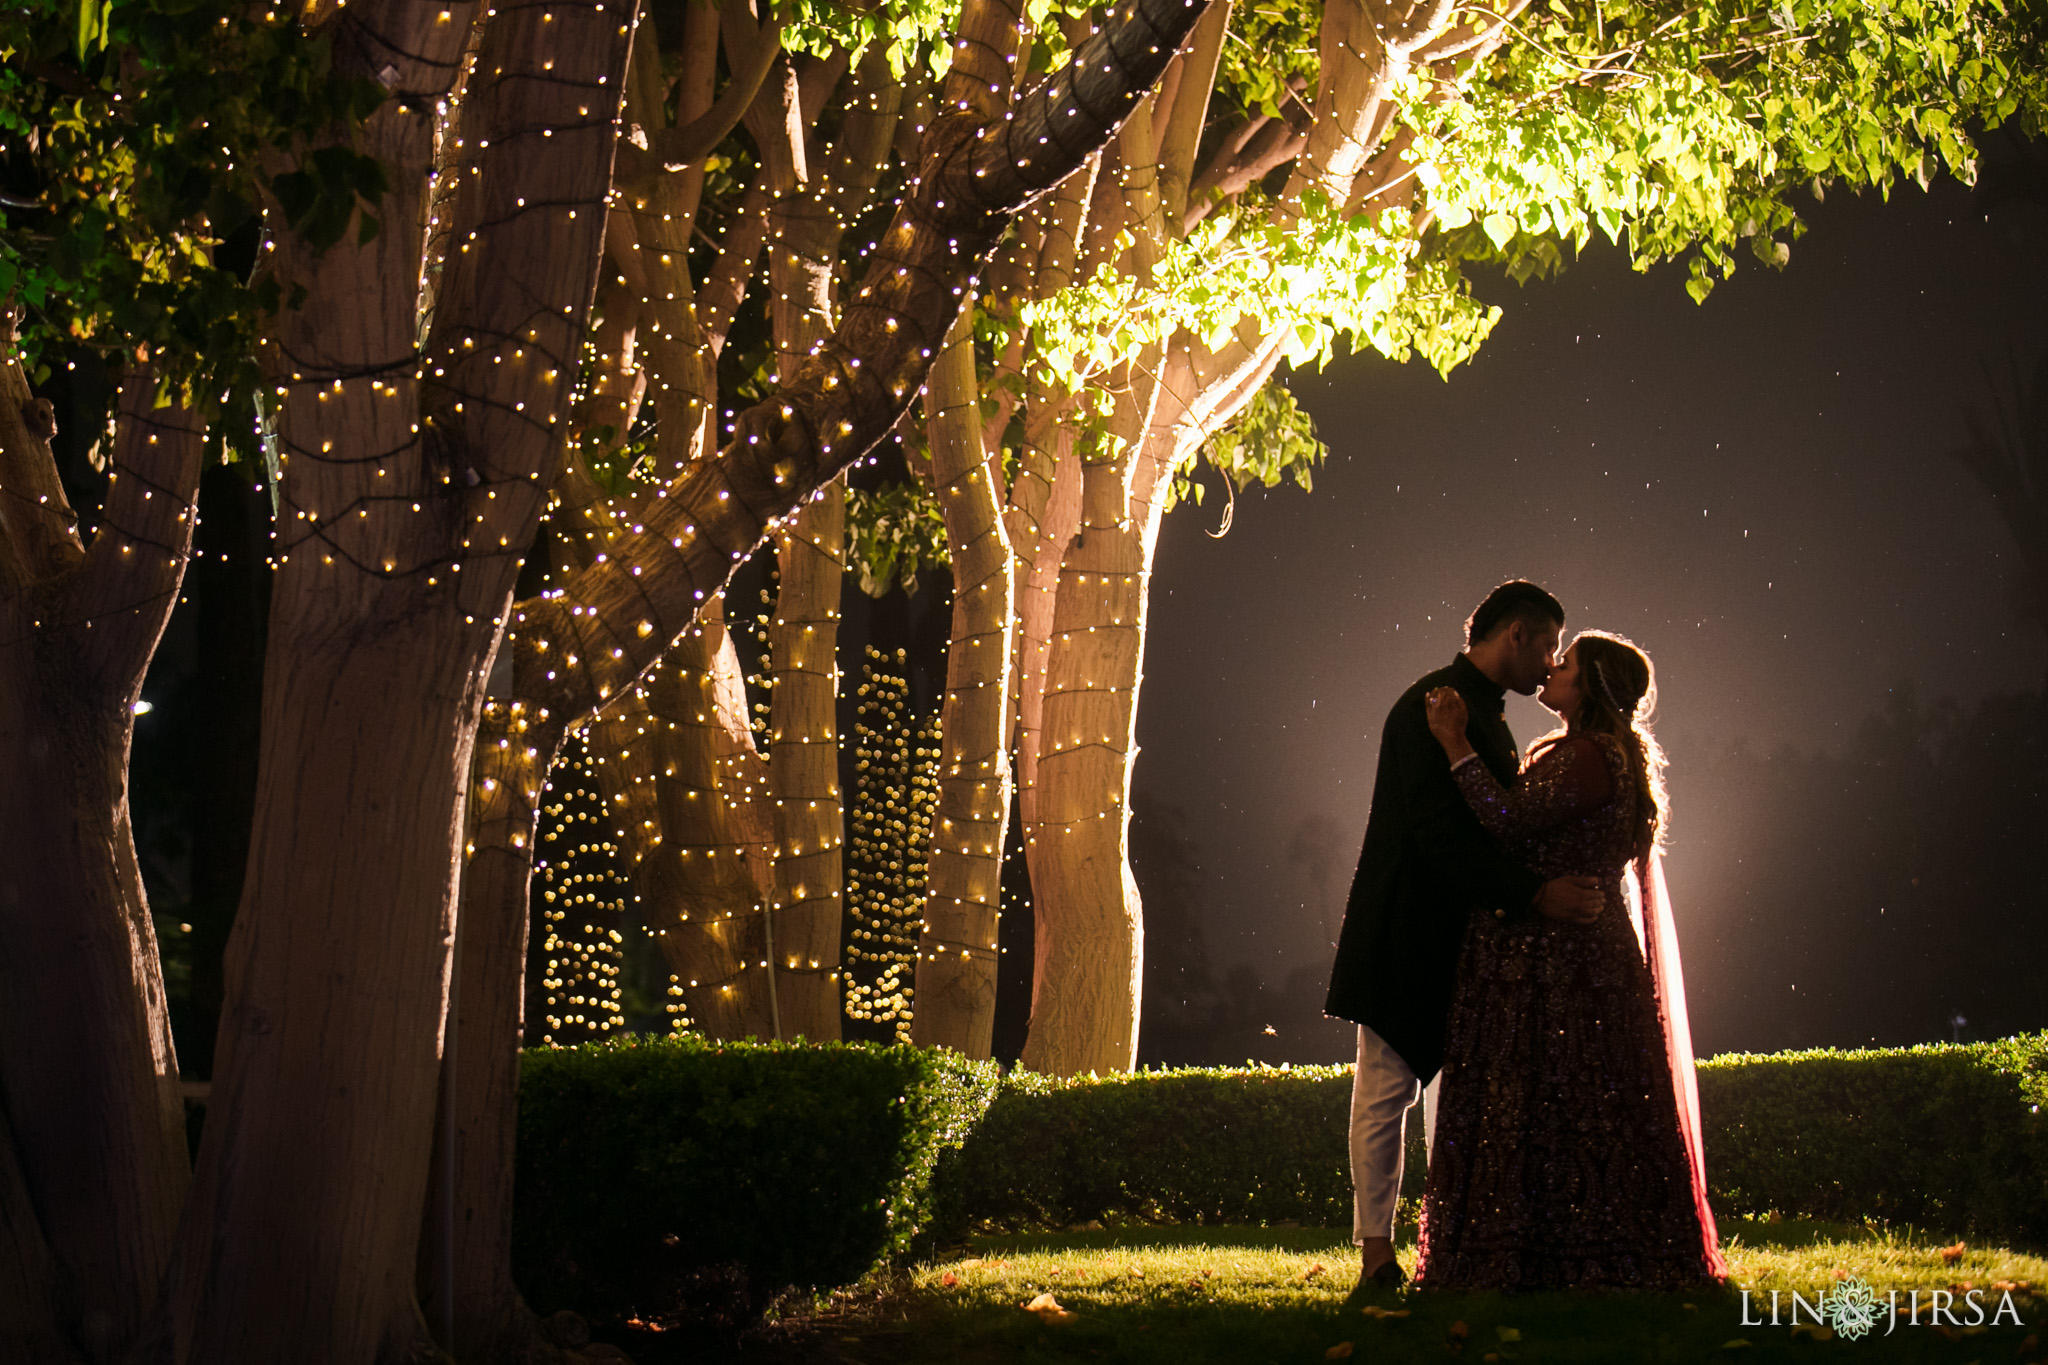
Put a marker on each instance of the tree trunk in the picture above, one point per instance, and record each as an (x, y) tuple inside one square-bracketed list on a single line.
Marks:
[(1043, 518), (803, 924), (316, 1143), (807, 913), (1089, 939), (94, 1122), (467, 1236), (710, 879), (956, 977), (29, 1329), (1088, 922), (409, 478)]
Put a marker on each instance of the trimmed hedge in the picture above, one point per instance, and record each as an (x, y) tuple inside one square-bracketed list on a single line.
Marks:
[(1946, 1137), (659, 1177), (676, 1175), (1210, 1145), (1949, 1138)]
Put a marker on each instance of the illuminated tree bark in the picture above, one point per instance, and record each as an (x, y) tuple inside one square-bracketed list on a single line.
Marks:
[(1006, 545), (607, 625), (92, 1148), (708, 881), (1076, 761), (956, 976), (412, 483)]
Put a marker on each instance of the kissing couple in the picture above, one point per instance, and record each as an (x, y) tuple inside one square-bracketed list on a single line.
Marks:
[(1508, 955)]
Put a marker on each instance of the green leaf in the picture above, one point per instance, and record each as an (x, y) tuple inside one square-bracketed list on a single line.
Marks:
[(92, 24)]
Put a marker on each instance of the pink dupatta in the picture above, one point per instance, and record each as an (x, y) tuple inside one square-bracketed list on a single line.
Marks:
[(1667, 977)]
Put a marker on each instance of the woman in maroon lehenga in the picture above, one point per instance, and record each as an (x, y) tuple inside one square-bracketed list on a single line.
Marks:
[(1567, 1138)]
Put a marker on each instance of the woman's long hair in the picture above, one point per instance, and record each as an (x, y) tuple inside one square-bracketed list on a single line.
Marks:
[(1617, 696)]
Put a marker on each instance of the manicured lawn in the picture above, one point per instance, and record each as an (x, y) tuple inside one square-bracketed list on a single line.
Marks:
[(1254, 1295)]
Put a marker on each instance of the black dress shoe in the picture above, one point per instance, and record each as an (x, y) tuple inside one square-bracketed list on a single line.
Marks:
[(1384, 1280)]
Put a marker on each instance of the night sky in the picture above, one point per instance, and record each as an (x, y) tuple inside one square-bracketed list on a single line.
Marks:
[(1760, 491)]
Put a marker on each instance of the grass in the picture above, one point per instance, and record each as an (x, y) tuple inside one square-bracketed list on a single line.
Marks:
[(1180, 1295)]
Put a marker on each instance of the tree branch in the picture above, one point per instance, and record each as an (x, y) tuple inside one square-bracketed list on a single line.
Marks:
[(38, 529), (1189, 111), (137, 558), (612, 622), (672, 149)]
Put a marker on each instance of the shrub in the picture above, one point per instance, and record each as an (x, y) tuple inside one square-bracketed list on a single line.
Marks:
[(1224, 1145), (1946, 1137), (653, 1173)]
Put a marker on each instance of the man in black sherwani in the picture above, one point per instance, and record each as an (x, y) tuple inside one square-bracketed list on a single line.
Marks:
[(1427, 867)]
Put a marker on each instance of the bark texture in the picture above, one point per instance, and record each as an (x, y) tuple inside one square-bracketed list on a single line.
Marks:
[(96, 1168), (956, 976), (607, 628), (466, 1287), (1077, 719), (411, 484)]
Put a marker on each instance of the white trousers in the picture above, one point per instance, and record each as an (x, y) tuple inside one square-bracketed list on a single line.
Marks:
[(1383, 1089)]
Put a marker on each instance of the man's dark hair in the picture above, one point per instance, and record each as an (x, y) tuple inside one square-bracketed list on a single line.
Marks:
[(1516, 600)]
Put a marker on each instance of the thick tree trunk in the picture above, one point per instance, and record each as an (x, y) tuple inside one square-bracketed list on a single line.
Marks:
[(1043, 517), (410, 480), (709, 881), (91, 1081), (1089, 939), (807, 913), (1088, 922), (94, 1122), (956, 967), (804, 921), (316, 1144)]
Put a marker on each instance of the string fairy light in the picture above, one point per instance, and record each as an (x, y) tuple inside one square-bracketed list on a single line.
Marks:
[(896, 792), (583, 891)]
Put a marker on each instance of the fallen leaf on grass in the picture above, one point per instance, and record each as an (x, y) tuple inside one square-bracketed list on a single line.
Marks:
[(1341, 1351), (1373, 1310), (1312, 1271), (949, 1279), (1048, 1309), (971, 1261), (1950, 1255), (1459, 1331)]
